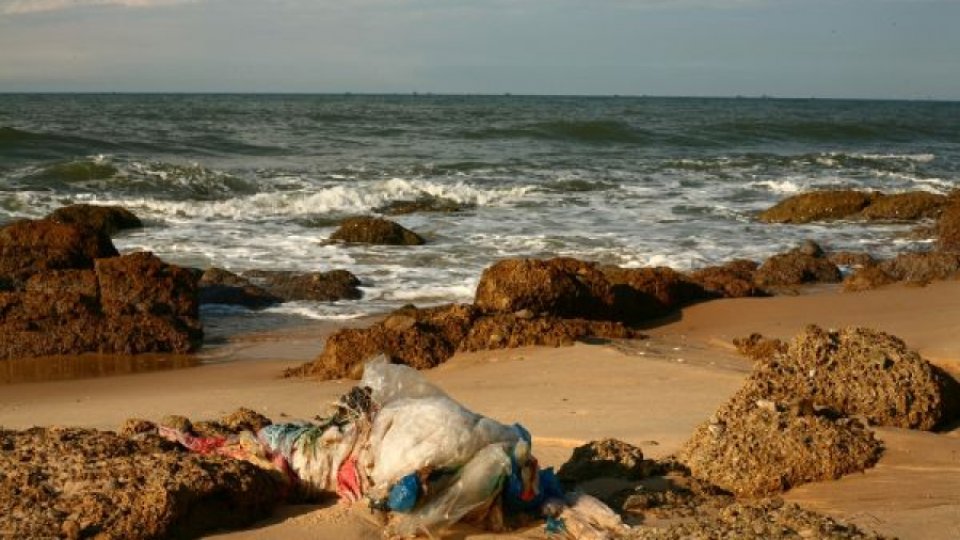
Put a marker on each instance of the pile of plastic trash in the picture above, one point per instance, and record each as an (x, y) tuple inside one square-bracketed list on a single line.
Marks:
[(419, 457)]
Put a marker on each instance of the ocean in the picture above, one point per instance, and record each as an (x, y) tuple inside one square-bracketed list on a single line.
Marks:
[(259, 181)]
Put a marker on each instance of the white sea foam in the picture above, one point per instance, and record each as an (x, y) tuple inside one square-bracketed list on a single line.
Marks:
[(777, 186)]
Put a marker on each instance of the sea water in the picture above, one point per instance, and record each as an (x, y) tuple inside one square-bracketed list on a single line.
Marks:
[(260, 181)]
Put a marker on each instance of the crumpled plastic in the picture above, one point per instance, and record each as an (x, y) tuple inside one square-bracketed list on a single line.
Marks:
[(409, 448)]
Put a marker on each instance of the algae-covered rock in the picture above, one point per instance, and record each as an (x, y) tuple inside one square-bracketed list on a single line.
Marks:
[(373, 230), (818, 205), (80, 483), (106, 219)]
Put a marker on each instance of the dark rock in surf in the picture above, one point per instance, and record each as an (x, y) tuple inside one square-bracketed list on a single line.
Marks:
[(372, 230), (106, 219), (909, 206), (817, 206), (218, 286), (314, 286), (421, 204)]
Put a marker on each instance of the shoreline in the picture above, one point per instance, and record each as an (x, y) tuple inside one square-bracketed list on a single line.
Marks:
[(651, 393)]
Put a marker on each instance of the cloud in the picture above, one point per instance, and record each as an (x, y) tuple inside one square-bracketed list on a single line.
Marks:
[(17, 7)]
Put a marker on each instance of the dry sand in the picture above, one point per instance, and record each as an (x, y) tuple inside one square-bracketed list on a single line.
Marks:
[(650, 393)]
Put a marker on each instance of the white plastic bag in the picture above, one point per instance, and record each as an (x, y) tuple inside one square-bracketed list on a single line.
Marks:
[(476, 485), (389, 382)]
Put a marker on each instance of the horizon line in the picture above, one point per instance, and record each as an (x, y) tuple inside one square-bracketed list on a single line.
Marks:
[(467, 94)]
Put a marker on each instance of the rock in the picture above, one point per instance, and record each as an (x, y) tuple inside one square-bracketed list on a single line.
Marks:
[(218, 286), (244, 419), (429, 341), (788, 424), (643, 293), (427, 203), (95, 484), (105, 219), (607, 458), (177, 422), (867, 277), (510, 331), (562, 287), (764, 519), (851, 258), (861, 372), (732, 280), (909, 206), (818, 205), (314, 286), (142, 284), (758, 348), (126, 305), (752, 451), (372, 230), (796, 267), (948, 227), (425, 338), (30, 247), (922, 267), (133, 427)]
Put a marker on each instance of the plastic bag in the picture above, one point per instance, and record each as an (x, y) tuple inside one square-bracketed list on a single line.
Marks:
[(583, 517), (390, 382), (477, 484)]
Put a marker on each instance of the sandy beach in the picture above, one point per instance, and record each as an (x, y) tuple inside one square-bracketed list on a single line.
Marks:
[(651, 393)]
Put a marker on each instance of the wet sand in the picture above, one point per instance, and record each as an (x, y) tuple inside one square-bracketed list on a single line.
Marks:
[(651, 393)]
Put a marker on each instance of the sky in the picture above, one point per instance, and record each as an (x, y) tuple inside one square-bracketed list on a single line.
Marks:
[(877, 49)]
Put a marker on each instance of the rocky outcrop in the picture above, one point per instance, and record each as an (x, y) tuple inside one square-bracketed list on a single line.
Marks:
[(79, 483), (792, 421), (105, 219), (861, 372), (562, 287), (756, 347), (866, 278), (125, 305), (218, 286), (510, 331), (315, 286), (948, 227), (817, 206), (421, 338), (425, 338), (607, 458), (644, 293), (571, 288), (30, 247), (422, 204), (851, 258), (755, 446), (910, 206), (850, 204), (922, 267), (805, 264), (736, 279), (373, 230)]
